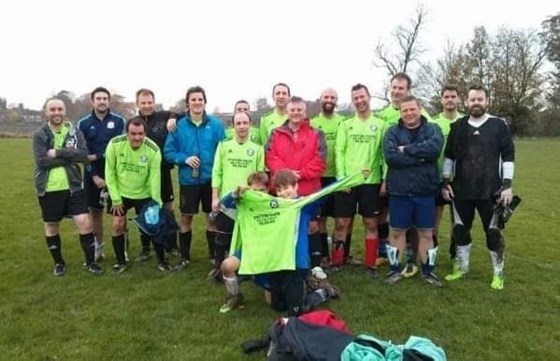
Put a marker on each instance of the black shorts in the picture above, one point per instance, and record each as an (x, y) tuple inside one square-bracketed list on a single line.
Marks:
[(60, 204), (166, 185), (137, 204), (193, 195), (327, 208), (363, 198), (287, 289), (384, 202), (224, 224)]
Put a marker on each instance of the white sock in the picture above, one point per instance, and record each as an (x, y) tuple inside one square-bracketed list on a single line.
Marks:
[(232, 285), (463, 255), (497, 263)]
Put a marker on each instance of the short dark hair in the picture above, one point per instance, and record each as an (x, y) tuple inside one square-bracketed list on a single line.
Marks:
[(449, 87), (284, 178), (296, 99), (410, 98), (258, 177), (195, 89), (242, 101), (144, 91), (100, 89), (478, 87), (136, 121), (360, 86), (284, 85), (402, 76)]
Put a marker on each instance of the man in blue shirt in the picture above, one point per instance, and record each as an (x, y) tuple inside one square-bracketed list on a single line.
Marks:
[(98, 128)]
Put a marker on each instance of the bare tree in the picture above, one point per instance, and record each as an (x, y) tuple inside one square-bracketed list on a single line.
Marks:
[(404, 50), (407, 47), (180, 106), (262, 105), (451, 68), (478, 55), (551, 34), (516, 59)]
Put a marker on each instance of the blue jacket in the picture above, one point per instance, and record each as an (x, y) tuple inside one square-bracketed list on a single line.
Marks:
[(302, 246), (98, 133), (413, 172), (190, 139)]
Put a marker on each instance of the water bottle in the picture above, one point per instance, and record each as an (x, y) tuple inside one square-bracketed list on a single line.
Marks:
[(103, 198), (195, 173)]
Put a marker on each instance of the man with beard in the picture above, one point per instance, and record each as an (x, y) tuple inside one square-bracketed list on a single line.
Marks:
[(58, 148), (481, 151), (98, 128), (359, 145), (399, 88), (328, 121), (276, 117), (158, 124), (450, 101)]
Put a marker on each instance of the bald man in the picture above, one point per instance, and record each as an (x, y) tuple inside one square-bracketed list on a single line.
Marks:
[(58, 149), (327, 121)]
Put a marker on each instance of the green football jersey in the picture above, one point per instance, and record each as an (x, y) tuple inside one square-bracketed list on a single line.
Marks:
[(234, 162), (58, 179), (269, 122), (132, 173), (445, 126), (359, 145), (266, 228), (329, 127)]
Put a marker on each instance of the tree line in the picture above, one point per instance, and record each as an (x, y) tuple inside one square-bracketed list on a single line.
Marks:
[(519, 67), (511, 63)]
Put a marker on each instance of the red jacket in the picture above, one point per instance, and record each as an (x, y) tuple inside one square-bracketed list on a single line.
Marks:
[(304, 150)]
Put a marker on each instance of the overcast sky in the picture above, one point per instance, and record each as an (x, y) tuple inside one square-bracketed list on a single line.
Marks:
[(234, 49)]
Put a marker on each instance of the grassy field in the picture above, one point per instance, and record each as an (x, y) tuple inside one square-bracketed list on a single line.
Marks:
[(146, 315)]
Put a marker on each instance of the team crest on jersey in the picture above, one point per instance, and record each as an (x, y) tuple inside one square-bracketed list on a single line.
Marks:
[(143, 158), (373, 128), (250, 152), (274, 204), (110, 125)]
